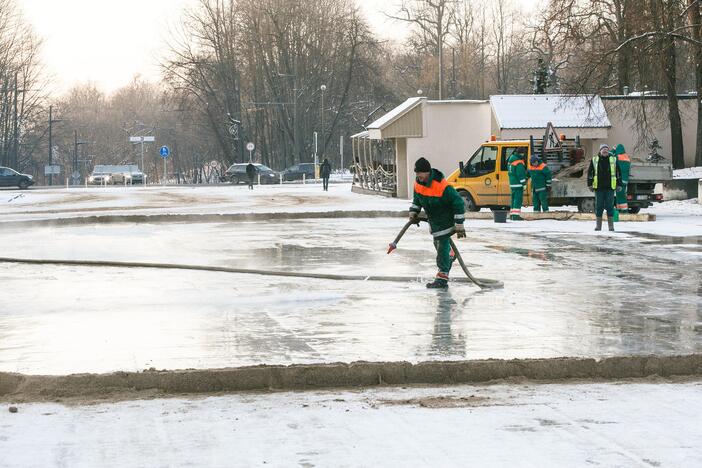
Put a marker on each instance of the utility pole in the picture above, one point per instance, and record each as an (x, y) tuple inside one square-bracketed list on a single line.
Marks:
[(51, 149), (75, 155), (51, 144), (15, 131)]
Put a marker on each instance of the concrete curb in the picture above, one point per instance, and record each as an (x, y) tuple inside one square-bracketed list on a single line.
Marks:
[(244, 217), (339, 375)]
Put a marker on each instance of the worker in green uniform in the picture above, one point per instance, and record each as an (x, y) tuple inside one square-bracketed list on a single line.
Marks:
[(624, 163), (445, 211), (604, 178), (541, 177), (516, 169)]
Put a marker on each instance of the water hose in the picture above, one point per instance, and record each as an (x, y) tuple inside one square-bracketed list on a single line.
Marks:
[(482, 283), (245, 271)]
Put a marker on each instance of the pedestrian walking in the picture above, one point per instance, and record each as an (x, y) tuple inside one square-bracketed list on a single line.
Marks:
[(517, 172), (325, 172), (624, 163), (541, 178), (604, 178), (445, 212), (251, 174)]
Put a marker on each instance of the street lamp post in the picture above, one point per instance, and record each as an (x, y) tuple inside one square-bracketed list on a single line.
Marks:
[(322, 88), (51, 148), (321, 130)]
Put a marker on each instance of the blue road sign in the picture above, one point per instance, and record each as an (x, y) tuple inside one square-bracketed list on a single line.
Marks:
[(164, 152)]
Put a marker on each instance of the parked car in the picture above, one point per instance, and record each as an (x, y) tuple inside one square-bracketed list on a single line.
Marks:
[(102, 175), (138, 177), (116, 174), (298, 170), (12, 178), (236, 174)]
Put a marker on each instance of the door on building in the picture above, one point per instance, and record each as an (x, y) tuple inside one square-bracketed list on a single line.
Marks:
[(481, 169), (504, 192)]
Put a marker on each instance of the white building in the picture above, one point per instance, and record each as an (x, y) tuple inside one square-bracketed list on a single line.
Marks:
[(447, 132)]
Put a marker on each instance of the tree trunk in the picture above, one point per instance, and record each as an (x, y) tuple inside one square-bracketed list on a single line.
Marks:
[(695, 18), (668, 58), (676, 138)]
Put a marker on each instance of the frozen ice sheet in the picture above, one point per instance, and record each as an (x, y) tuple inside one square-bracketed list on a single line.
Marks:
[(564, 295)]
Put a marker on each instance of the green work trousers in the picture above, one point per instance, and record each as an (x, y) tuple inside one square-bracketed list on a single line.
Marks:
[(517, 197), (444, 257), (540, 200), (604, 201), (622, 203)]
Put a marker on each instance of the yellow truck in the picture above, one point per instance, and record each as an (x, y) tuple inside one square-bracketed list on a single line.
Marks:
[(483, 182)]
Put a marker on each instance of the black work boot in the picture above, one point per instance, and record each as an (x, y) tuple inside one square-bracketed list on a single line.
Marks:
[(610, 223), (598, 226), (438, 283)]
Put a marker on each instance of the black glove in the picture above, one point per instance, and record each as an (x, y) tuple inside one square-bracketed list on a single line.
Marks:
[(548, 189), (414, 217), (460, 231), (590, 188), (619, 188)]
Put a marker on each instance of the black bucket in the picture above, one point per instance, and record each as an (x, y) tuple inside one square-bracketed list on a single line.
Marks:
[(500, 216)]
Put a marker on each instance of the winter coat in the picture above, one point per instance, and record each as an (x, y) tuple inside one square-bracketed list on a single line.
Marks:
[(604, 172), (325, 170), (442, 204), (540, 177), (517, 171), (251, 171)]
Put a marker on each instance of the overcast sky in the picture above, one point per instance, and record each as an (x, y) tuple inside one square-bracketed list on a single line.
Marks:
[(108, 42)]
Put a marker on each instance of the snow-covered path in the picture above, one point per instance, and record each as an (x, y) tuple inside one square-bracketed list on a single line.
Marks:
[(517, 425)]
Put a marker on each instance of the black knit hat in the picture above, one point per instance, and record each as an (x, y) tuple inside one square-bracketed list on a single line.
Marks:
[(422, 165)]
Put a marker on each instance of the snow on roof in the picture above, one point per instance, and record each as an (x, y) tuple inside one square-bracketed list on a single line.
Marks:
[(396, 113), (688, 173), (537, 110)]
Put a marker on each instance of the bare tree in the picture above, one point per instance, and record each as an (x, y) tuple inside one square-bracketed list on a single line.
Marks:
[(433, 20), (21, 90)]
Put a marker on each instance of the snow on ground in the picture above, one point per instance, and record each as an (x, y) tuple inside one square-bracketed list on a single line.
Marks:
[(57, 203), (676, 218), (517, 425), (688, 173)]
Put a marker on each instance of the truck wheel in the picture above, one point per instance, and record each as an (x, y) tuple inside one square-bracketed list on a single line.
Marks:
[(469, 202), (586, 205), (634, 209), (23, 185), (235, 180)]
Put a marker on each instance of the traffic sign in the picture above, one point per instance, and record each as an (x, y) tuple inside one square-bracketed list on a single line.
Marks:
[(53, 169), (142, 139), (250, 146), (164, 152)]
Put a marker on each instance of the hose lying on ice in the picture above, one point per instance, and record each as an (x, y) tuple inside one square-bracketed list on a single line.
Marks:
[(219, 269), (482, 283)]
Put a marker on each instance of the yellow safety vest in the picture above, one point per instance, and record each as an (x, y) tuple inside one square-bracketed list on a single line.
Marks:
[(612, 170)]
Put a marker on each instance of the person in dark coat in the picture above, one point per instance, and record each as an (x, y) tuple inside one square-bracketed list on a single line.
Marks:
[(324, 173), (251, 174), (604, 178)]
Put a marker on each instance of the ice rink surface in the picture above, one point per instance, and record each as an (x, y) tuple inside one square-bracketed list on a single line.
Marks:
[(568, 291)]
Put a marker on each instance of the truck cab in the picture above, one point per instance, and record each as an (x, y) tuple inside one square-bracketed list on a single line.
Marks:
[(482, 180)]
